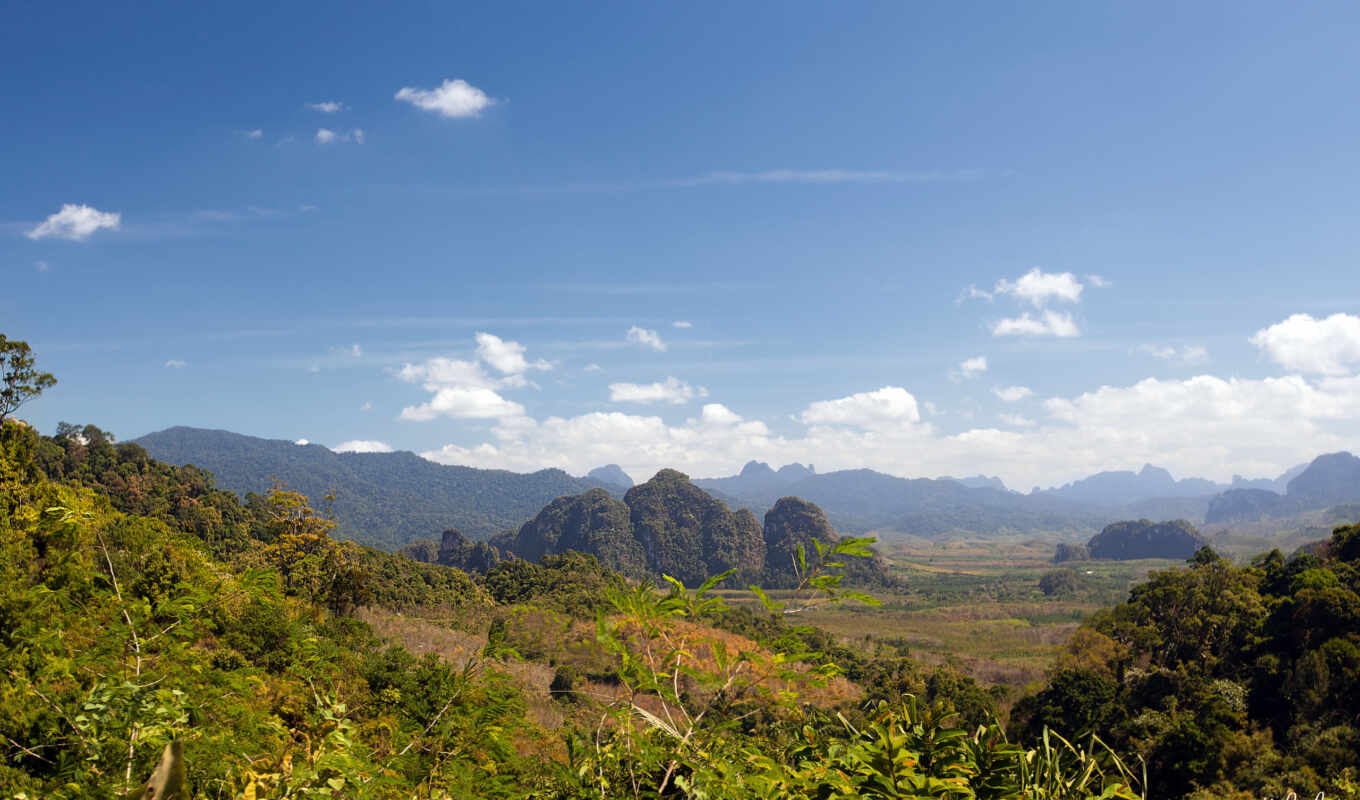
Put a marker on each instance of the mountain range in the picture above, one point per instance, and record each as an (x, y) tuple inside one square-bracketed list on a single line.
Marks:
[(392, 499), (381, 499)]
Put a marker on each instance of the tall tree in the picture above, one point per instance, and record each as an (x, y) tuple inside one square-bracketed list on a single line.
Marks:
[(19, 380)]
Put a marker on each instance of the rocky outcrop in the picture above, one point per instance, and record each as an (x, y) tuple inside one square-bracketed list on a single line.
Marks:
[(1122, 541), (686, 533), (591, 522), (1071, 552), (1330, 480), (456, 550)]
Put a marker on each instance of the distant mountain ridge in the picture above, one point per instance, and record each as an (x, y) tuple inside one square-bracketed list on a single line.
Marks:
[(1329, 480), (381, 499)]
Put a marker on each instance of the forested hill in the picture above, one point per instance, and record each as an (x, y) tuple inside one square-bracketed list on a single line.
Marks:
[(381, 499)]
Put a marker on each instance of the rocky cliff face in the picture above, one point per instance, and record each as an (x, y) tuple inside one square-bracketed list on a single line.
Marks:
[(1122, 541), (592, 522), (456, 550), (792, 522), (686, 533)]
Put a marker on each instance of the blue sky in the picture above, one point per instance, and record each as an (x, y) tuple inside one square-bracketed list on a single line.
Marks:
[(812, 187)]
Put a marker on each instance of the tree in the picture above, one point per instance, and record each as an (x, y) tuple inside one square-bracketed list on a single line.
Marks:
[(19, 381)]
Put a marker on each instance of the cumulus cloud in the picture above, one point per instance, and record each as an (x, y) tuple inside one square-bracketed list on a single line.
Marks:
[(1329, 346), (672, 390), (1098, 282), (328, 136), (301, 442), (506, 357), (363, 446), (648, 338), (1050, 323), (891, 404), (454, 98), (75, 222), (1038, 287), (1205, 426), (972, 367), (1188, 355), (327, 107), (463, 389), (1012, 394), (175, 363)]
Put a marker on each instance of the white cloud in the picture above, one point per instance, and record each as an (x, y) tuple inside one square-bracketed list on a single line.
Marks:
[(254, 133), (1098, 282), (507, 357), (327, 107), (972, 367), (593, 368), (75, 222), (1329, 346), (463, 402), (681, 323), (1050, 323), (328, 136), (1205, 426), (463, 390), (1186, 354), (891, 404), (301, 442), (363, 446), (1038, 287), (42, 266), (1012, 394), (367, 406), (672, 390), (646, 337), (453, 98), (175, 363)]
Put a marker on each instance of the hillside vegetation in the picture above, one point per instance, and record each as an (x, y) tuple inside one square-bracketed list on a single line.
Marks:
[(152, 625), (382, 499)]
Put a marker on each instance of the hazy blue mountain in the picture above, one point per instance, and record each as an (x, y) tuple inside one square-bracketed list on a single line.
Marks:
[(756, 479), (611, 474), (860, 500), (1124, 487), (381, 499), (977, 482), (1328, 480), (1331, 479)]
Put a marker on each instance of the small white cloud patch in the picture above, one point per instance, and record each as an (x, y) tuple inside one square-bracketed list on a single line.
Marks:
[(175, 363), (648, 338), (682, 323), (75, 222), (327, 107), (328, 136), (454, 98), (973, 367), (1050, 323), (1012, 394), (672, 390), (363, 446), (891, 404), (1186, 354)]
